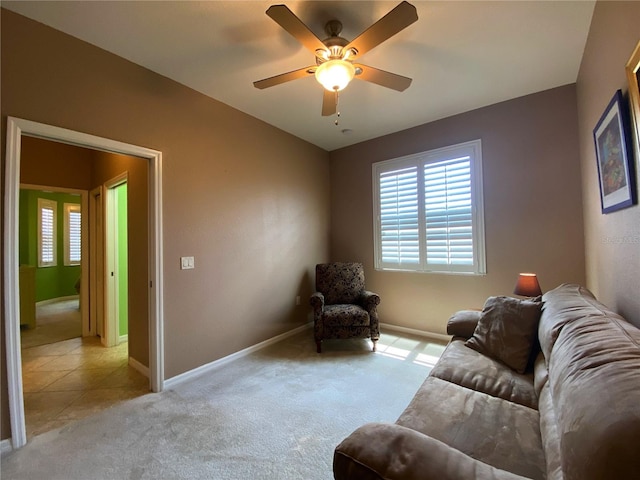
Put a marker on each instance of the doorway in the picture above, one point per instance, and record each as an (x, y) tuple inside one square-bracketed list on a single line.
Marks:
[(16, 128), (52, 223)]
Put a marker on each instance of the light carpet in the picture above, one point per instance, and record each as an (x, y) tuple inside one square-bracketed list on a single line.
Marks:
[(274, 414)]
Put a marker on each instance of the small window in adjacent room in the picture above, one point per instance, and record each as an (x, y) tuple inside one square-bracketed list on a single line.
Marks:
[(72, 234), (47, 231), (428, 211)]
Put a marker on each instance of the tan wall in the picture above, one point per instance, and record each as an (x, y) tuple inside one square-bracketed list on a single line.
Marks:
[(613, 240), (532, 203), (249, 201)]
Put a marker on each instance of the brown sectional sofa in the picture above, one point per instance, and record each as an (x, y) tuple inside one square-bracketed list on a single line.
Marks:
[(575, 414)]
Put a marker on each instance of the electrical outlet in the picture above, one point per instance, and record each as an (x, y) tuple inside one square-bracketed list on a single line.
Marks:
[(187, 263)]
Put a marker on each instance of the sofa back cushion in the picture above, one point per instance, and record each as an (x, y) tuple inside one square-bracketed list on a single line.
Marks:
[(340, 282), (559, 308), (594, 380)]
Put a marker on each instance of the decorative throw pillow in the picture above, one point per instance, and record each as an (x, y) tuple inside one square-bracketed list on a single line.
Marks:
[(506, 331)]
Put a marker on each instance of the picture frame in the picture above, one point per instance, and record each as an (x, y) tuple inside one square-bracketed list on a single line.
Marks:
[(633, 77), (615, 176)]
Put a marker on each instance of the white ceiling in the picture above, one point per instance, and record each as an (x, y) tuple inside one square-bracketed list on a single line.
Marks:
[(461, 55)]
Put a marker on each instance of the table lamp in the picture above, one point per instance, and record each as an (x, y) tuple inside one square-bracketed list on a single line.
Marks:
[(527, 285)]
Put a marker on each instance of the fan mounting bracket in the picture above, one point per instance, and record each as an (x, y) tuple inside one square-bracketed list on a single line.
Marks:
[(333, 28)]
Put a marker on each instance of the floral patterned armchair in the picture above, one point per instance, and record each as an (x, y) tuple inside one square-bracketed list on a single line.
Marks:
[(342, 308)]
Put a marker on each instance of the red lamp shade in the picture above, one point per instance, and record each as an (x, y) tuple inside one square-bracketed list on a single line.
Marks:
[(527, 285)]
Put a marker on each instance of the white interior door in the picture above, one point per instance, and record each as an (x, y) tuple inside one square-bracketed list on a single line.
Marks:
[(112, 273)]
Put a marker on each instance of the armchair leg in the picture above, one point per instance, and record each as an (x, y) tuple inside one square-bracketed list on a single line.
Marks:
[(374, 345), (319, 346)]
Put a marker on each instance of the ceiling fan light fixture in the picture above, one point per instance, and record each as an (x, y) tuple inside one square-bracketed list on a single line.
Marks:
[(335, 75)]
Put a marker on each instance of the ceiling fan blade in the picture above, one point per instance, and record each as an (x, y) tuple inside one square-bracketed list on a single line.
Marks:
[(393, 22), (292, 24), (385, 79), (329, 103), (285, 77)]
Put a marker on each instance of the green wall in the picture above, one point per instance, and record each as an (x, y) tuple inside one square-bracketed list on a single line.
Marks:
[(123, 269), (51, 282)]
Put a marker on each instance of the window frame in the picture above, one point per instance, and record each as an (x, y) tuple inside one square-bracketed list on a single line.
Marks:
[(68, 209), (472, 149), (45, 203)]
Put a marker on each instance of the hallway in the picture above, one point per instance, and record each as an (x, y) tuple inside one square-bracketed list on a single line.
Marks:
[(71, 379)]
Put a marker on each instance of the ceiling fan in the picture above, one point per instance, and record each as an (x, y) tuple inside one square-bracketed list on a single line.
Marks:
[(336, 57)]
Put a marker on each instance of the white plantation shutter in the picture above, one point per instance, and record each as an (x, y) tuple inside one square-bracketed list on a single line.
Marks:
[(72, 237), (399, 229), (47, 236), (429, 213), (448, 212), (47, 215)]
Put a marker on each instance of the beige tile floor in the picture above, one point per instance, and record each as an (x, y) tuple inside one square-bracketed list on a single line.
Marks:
[(69, 380)]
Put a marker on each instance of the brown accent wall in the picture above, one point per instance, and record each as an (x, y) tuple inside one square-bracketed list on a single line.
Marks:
[(612, 241), (532, 206), (55, 164), (248, 201)]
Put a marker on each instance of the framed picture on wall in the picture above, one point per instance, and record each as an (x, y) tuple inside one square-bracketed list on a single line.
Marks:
[(633, 76), (617, 188)]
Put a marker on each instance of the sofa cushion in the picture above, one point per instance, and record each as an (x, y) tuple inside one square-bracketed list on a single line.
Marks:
[(506, 331), (560, 308), (345, 316), (594, 377), (503, 434), (466, 367), (378, 451), (549, 434)]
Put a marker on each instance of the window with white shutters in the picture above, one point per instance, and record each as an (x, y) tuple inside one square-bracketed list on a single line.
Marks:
[(47, 230), (72, 234), (428, 211), (399, 229)]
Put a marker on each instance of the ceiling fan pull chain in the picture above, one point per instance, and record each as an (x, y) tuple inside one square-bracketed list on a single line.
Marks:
[(337, 122)]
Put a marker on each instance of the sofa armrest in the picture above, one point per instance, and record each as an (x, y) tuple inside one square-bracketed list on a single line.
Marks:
[(317, 300), (369, 300), (463, 323), (379, 451)]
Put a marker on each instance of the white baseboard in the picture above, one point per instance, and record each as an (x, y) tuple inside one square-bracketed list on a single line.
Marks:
[(123, 338), (196, 372), (421, 333), (136, 365), (56, 300), (5, 446)]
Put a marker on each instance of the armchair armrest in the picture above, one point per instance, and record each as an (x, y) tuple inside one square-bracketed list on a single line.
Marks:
[(369, 299), (378, 451), (317, 300), (463, 323)]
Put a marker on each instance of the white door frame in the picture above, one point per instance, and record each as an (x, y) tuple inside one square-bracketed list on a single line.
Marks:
[(111, 328), (96, 263), (17, 127), (84, 246)]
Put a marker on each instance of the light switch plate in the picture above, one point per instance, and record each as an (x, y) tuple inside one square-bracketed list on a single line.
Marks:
[(187, 263)]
